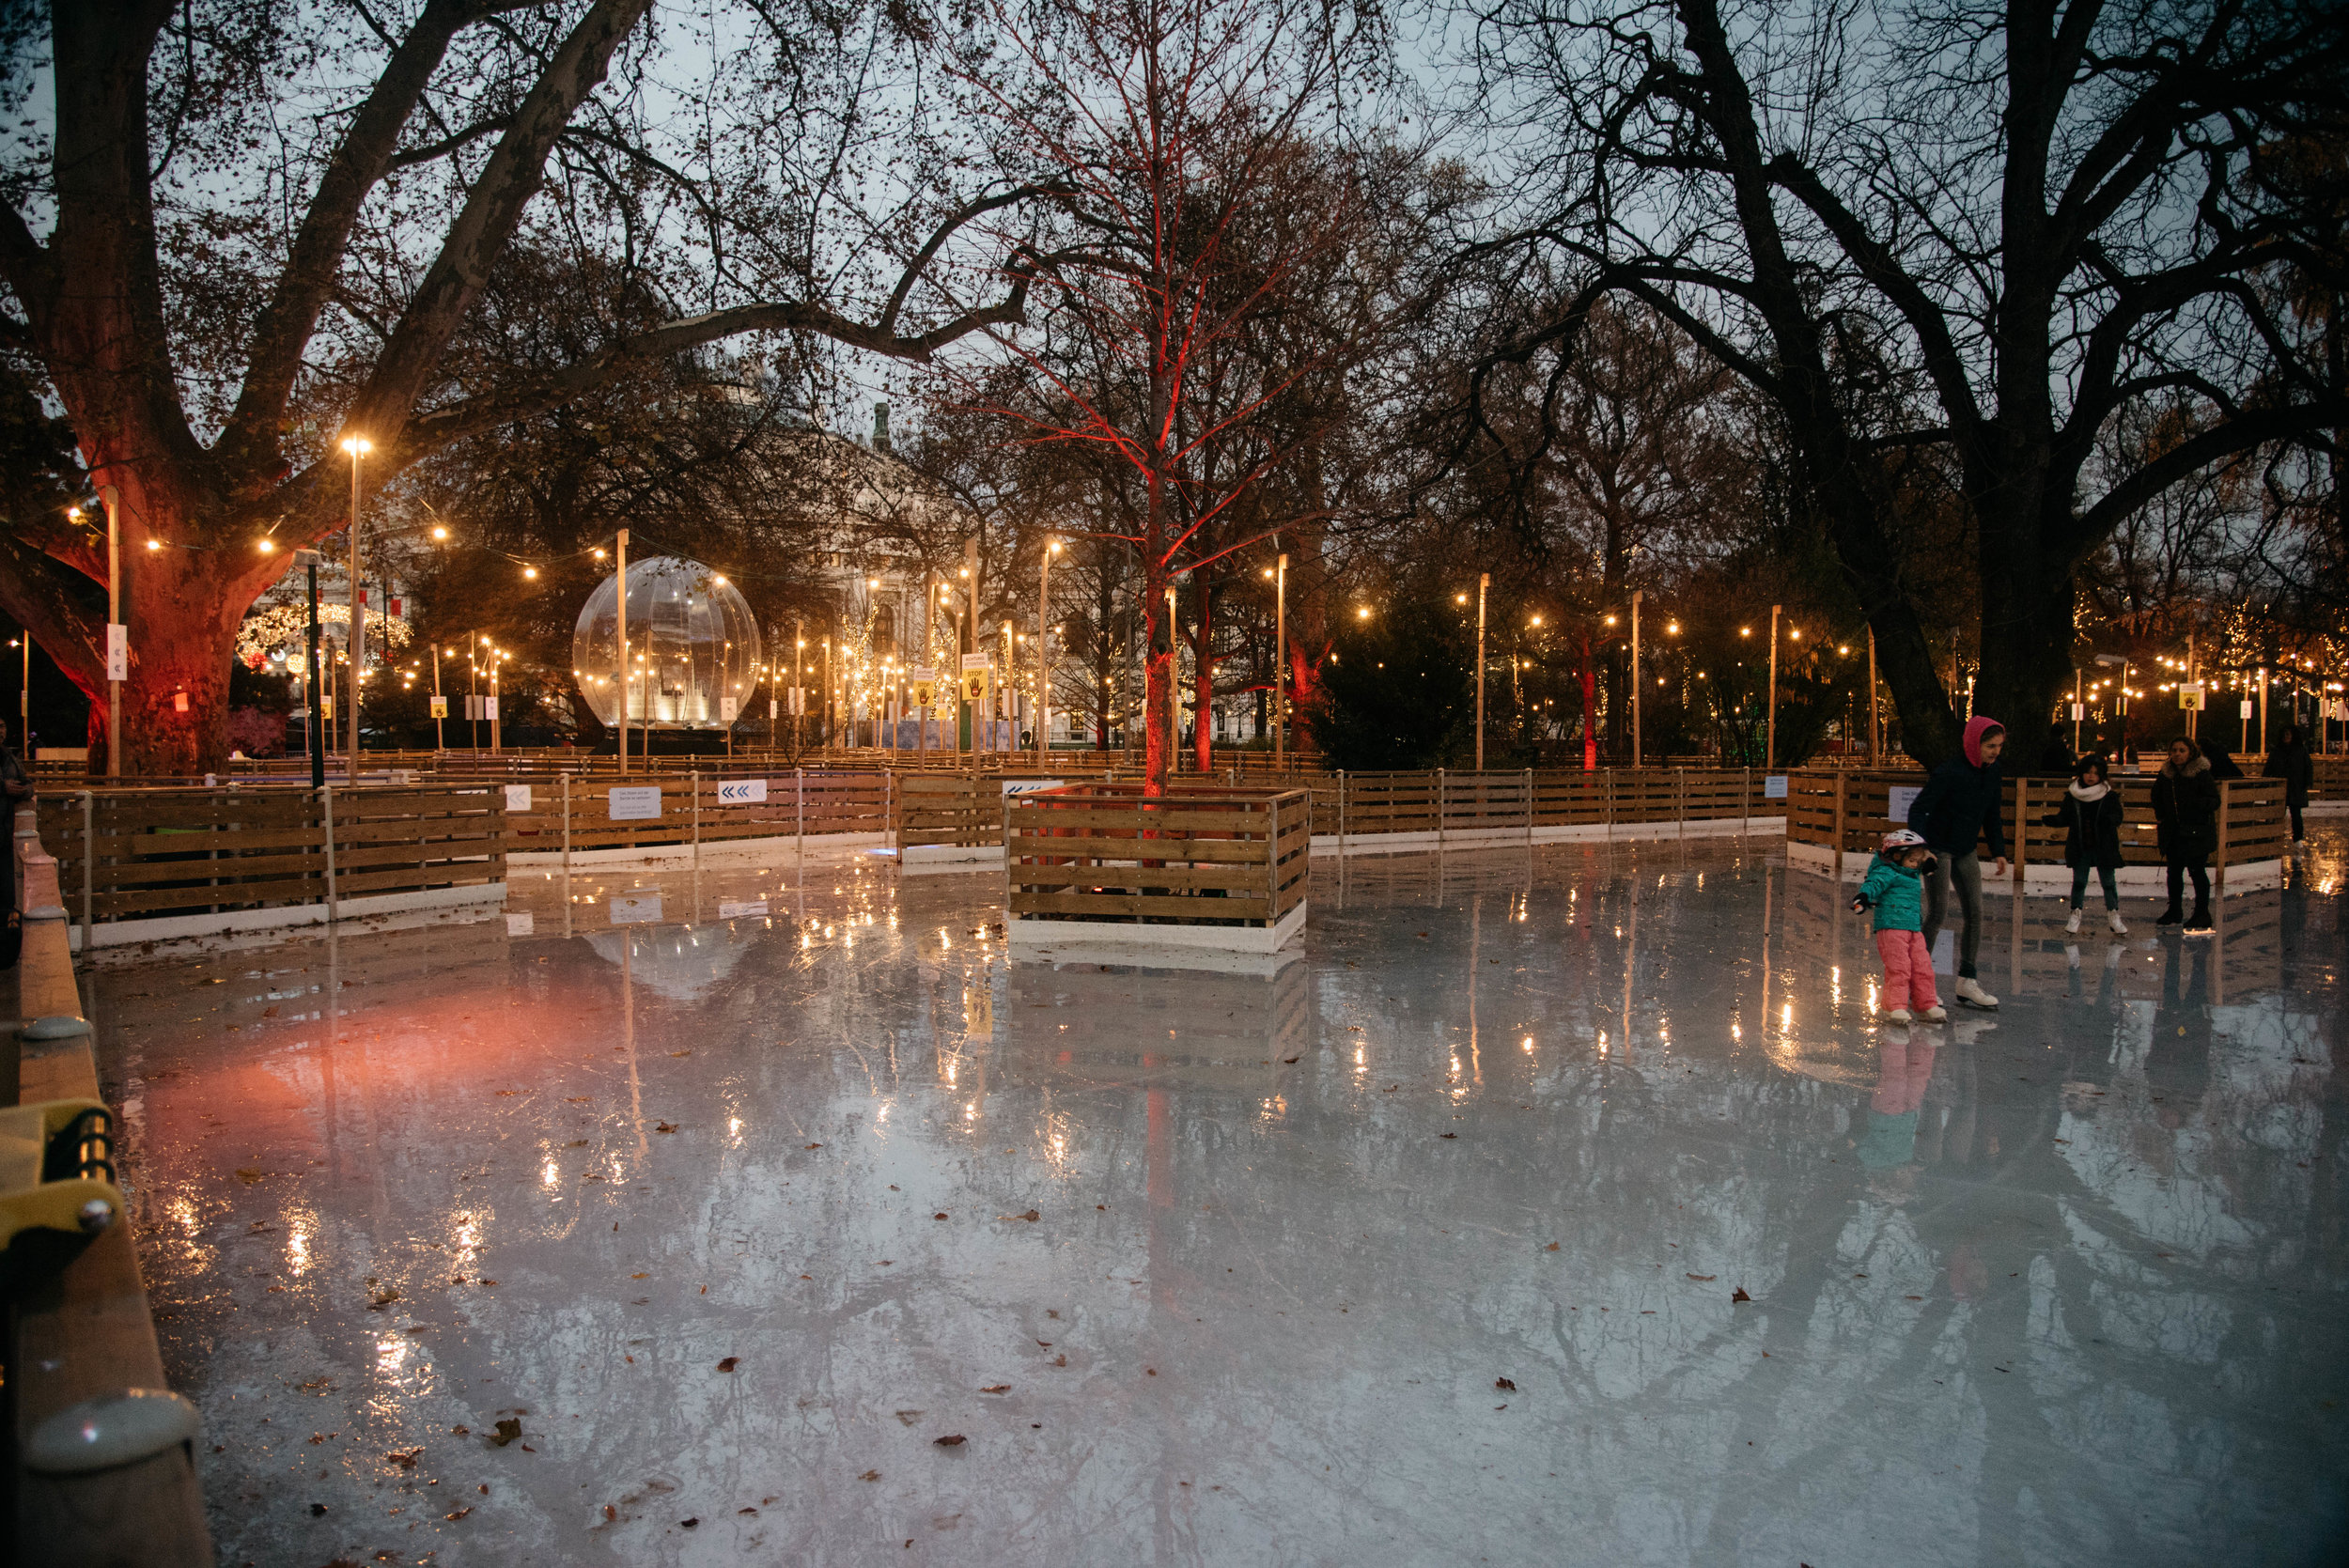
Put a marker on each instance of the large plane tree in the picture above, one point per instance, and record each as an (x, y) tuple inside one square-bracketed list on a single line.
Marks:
[(1956, 241), (238, 231)]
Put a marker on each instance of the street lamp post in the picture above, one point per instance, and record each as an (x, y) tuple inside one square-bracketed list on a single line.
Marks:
[(1769, 742), (1484, 581), (1875, 734), (1043, 648), (1635, 677), (1281, 664), (358, 446), (314, 726), (118, 635), (440, 705), (622, 644)]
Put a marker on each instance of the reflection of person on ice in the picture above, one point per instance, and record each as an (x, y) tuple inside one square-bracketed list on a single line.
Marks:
[(1959, 805), (1894, 889)]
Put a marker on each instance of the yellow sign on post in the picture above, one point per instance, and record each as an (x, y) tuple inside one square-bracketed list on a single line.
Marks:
[(2190, 695), (924, 694), (977, 685)]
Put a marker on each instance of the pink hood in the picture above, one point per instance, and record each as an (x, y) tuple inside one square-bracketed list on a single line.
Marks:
[(1975, 730)]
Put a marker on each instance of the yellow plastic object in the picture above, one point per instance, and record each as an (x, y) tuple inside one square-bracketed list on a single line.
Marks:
[(72, 1201)]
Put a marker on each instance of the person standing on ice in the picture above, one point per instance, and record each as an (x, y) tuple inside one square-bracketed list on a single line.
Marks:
[(1958, 806), (2089, 815), (1894, 889), (2186, 809)]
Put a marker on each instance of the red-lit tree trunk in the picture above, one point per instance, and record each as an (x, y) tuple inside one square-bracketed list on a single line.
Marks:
[(1589, 674)]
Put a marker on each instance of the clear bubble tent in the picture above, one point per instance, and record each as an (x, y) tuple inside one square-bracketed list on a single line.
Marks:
[(694, 648)]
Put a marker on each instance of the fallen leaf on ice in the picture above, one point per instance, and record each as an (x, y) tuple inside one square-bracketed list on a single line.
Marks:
[(869, 1475), (382, 1301), (815, 1146), (664, 1127), (1448, 1135), (996, 1388), (909, 1417), (730, 1363), (508, 1429), (404, 1458), (1739, 1295), (952, 1440), (1705, 1278), (459, 1514), (1505, 1384), (249, 1177), (1551, 1248)]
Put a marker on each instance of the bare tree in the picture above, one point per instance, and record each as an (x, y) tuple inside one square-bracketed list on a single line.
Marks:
[(1988, 228), (212, 349)]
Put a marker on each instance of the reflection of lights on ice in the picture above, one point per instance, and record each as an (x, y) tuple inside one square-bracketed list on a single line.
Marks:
[(971, 1111), (1737, 1033), (550, 1175), (1528, 1043), (1602, 1042), (297, 1249), (389, 1356), (1360, 1058), (1786, 1016)]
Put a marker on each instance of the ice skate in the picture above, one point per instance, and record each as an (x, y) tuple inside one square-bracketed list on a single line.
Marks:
[(2072, 926), (1969, 991), (2112, 918)]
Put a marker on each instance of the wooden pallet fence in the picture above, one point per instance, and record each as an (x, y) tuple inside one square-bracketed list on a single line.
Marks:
[(951, 810), (132, 854), (2254, 825), (1104, 854)]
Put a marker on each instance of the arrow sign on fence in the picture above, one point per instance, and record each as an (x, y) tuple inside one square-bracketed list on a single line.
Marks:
[(742, 792)]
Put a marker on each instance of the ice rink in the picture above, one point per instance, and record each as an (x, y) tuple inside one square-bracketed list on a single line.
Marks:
[(797, 1225)]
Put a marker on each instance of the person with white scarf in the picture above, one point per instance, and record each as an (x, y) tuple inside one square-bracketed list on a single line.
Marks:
[(2089, 815)]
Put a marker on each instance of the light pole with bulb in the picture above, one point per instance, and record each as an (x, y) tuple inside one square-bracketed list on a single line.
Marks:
[(1769, 741), (1281, 664), (1484, 581), (1043, 649), (358, 446), (1635, 676)]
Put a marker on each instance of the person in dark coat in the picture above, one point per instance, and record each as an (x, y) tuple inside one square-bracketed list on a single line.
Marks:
[(2290, 761), (2056, 758), (1959, 806), (2089, 815), (2222, 767), (2185, 805)]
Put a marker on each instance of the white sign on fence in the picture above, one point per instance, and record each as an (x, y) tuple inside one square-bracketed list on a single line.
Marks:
[(635, 803), (636, 907), (2243, 709), (2079, 712), (117, 652), (1774, 786), (729, 908), (742, 792), (520, 924), (517, 797), (1904, 797), (728, 707)]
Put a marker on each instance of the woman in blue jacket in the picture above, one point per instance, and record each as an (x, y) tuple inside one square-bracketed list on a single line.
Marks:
[(1958, 808)]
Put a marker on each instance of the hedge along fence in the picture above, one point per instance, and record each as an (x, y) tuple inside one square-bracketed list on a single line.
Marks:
[(1835, 820), (1198, 867), (137, 864)]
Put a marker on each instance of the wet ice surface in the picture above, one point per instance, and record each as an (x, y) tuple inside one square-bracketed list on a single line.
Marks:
[(731, 1217)]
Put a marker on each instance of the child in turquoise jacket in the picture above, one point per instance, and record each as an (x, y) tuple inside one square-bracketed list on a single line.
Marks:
[(1894, 888)]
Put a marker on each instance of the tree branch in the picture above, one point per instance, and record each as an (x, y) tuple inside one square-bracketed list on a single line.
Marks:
[(39, 593), (492, 211), (249, 443)]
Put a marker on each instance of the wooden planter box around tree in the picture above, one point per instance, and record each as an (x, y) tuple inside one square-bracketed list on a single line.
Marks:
[(1202, 868)]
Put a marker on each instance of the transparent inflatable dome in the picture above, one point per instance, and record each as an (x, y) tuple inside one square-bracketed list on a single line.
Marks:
[(694, 650)]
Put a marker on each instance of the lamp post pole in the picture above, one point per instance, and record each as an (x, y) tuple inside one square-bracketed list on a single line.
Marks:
[(799, 683), (118, 635), (1281, 664), (497, 721), (2264, 711), (1875, 734), (2080, 709), (24, 700), (622, 545), (358, 448), (314, 730), (440, 705), (1043, 650), (1484, 581), (1635, 677), (1769, 742)]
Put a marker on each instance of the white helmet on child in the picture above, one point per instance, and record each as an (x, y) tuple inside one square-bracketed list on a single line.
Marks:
[(1903, 838)]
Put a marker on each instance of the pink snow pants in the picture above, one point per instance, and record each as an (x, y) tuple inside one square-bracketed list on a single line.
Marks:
[(1907, 970)]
